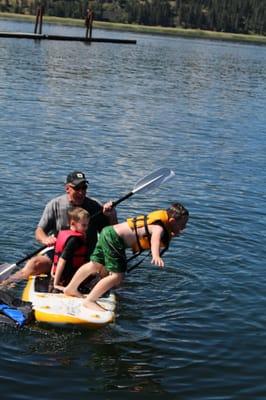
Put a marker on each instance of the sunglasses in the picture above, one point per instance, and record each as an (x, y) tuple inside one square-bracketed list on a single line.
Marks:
[(79, 187)]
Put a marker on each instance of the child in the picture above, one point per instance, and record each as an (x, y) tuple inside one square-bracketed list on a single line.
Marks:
[(145, 232), (71, 250)]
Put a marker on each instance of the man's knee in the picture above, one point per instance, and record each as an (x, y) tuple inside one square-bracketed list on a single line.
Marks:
[(37, 265)]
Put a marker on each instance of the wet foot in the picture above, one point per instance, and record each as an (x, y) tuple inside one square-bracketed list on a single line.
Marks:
[(92, 305), (73, 293)]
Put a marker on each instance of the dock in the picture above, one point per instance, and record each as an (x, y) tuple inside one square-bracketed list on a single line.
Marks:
[(38, 36)]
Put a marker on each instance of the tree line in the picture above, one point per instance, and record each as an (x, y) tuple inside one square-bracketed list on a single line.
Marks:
[(236, 16)]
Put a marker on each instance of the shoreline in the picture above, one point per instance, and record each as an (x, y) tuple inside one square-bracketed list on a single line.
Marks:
[(174, 32)]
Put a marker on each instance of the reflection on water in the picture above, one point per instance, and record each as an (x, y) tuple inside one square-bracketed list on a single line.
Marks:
[(196, 327)]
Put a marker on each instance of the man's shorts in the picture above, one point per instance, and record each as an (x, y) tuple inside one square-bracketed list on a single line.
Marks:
[(110, 251)]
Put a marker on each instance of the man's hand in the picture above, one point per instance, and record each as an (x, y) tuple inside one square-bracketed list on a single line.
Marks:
[(43, 238), (110, 212), (49, 241)]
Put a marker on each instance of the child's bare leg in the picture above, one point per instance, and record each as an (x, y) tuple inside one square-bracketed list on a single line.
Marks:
[(105, 284), (90, 268)]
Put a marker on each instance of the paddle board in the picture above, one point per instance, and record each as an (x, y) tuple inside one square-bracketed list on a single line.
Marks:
[(60, 310)]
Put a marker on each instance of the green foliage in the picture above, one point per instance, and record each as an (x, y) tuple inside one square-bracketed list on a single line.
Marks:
[(114, 12), (236, 16)]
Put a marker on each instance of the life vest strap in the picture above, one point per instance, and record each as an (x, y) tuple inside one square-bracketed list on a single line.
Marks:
[(136, 233), (145, 223)]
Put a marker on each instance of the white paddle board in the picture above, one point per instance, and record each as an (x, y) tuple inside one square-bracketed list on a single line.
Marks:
[(60, 310)]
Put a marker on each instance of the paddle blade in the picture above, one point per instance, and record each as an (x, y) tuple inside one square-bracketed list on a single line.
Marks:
[(153, 180)]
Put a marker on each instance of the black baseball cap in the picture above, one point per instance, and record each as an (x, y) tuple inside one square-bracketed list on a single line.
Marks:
[(75, 178)]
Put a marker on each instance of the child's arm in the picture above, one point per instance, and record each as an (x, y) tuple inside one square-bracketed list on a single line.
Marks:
[(66, 257), (156, 235), (58, 273)]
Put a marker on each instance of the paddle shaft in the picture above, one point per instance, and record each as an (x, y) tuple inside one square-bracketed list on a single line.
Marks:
[(6, 268), (27, 257), (115, 203)]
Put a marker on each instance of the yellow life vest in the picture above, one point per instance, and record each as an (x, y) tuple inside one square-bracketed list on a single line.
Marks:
[(158, 217)]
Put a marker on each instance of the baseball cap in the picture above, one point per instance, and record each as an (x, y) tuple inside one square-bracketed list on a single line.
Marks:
[(76, 178)]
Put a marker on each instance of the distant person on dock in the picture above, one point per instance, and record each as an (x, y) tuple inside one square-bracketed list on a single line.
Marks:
[(71, 248), (151, 232), (55, 218), (88, 22)]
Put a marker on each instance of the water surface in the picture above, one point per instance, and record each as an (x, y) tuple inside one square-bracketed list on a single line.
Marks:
[(195, 330)]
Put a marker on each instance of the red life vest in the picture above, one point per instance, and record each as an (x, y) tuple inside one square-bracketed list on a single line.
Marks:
[(79, 257)]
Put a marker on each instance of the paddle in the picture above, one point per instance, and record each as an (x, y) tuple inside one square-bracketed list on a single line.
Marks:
[(5, 269), (150, 181)]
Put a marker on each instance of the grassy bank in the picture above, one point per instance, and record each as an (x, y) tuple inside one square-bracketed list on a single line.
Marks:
[(192, 33)]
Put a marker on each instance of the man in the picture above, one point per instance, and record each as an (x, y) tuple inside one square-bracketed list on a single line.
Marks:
[(55, 218)]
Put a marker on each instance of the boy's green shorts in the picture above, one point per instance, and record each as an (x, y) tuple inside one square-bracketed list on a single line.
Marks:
[(110, 251)]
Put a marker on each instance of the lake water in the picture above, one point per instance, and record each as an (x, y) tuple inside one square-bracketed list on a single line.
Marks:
[(196, 329)]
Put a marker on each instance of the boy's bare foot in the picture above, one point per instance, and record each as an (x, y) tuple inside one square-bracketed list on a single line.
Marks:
[(73, 293), (93, 306)]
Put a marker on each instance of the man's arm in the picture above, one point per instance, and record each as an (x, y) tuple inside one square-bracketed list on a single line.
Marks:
[(47, 224), (43, 238), (110, 212)]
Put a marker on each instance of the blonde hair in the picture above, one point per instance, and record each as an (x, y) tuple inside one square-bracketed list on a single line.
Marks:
[(77, 213)]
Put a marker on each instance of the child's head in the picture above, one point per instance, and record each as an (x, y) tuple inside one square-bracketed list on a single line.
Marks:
[(178, 217), (78, 219)]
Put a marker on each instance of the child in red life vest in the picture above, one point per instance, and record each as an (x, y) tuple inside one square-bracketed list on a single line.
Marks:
[(71, 250), (153, 231)]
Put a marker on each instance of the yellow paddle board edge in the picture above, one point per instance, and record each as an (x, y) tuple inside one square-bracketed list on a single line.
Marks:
[(61, 320), (27, 289)]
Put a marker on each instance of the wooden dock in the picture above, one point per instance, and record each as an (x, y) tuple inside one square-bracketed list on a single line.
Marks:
[(38, 36)]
